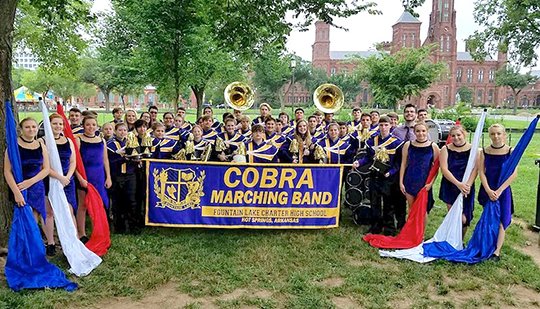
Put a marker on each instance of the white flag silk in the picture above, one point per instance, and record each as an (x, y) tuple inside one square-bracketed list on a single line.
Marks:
[(80, 258), (450, 230)]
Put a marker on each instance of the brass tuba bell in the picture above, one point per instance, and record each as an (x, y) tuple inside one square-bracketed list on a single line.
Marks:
[(328, 98), (239, 96)]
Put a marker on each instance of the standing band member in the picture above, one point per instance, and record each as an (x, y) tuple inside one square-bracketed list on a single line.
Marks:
[(35, 167), (259, 151), (66, 152), (336, 150), (382, 156), (301, 147), (124, 183), (490, 163), (94, 156), (418, 157), (454, 158)]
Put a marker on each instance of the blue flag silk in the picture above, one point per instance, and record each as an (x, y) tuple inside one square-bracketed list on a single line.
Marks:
[(484, 239), (26, 265)]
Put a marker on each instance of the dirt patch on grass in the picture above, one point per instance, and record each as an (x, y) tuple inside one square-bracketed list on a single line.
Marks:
[(449, 294), (345, 303), (330, 282), (531, 247), (168, 296), (527, 297)]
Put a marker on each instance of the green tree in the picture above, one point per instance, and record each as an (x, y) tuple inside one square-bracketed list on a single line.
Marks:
[(507, 25), (465, 94), (511, 77), (40, 81), (349, 84), (16, 76), (97, 72), (51, 30), (394, 77), (192, 42), (272, 70)]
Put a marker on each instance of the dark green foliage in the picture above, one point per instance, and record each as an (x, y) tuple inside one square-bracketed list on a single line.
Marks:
[(509, 26), (394, 77)]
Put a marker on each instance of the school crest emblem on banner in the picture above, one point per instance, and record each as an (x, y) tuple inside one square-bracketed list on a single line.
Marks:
[(178, 189)]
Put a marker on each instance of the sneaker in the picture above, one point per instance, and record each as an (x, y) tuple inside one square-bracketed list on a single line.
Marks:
[(495, 258), (50, 250), (84, 239)]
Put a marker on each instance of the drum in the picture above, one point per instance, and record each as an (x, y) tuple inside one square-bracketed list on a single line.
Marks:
[(362, 215), (444, 129), (354, 179), (367, 181), (434, 131), (366, 200), (353, 197)]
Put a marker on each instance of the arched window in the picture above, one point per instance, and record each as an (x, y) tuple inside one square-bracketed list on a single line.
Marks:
[(480, 96), (459, 73), (491, 92)]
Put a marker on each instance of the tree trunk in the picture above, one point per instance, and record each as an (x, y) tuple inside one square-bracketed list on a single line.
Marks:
[(516, 93), (7, 19), (176, 98), (199, 93), (106, 94), (123, 101)]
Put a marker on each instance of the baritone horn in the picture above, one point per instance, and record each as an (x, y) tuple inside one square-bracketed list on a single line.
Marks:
[(328, 98), (239, 96)]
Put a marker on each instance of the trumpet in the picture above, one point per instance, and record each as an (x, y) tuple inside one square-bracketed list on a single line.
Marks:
[(328, 98), (239, 96)]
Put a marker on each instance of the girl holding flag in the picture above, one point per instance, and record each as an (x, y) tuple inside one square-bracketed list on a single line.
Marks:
[(94, 156), (490, 164), (453, 159), (35, 167), (417, 158)]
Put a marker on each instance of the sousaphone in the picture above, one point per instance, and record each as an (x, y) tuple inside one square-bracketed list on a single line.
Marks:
[(239, 96), (328, 98)]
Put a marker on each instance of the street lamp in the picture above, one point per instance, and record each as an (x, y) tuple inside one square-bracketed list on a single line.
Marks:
[(293, 66)]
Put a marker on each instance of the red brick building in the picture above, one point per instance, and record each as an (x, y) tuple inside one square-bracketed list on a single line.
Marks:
[(463, 71)]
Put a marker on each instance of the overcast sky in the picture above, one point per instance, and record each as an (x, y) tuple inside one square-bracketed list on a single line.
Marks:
[(365, 30)]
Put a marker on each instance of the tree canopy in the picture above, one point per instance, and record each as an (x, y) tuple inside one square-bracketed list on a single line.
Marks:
[(507, 25), (193, 42), (511, 77), (393, 77)]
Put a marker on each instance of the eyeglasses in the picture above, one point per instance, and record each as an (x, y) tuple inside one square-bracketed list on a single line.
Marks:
[(153, 112)]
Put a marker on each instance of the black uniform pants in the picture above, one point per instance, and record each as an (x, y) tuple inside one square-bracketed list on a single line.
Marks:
[(382, 200), (124, 201)]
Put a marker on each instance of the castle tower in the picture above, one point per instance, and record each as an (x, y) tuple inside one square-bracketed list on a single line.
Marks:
[(320, 54), (406, 32), (442, 32)]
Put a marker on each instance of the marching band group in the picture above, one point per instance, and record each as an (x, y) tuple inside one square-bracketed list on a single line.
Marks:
[(397, 157)]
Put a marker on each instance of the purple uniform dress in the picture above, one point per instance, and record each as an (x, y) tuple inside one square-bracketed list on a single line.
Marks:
[(92, 157), (64, 151), (419, 162), (493, 164), (32, 164), (457, 162)]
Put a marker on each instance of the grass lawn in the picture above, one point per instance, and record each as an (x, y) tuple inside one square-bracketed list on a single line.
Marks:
[(202, 268)]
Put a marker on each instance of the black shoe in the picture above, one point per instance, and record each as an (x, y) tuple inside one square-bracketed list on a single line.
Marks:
[(84, 239), (375, 229), (50, 250), (389, 231), (495, 258)]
